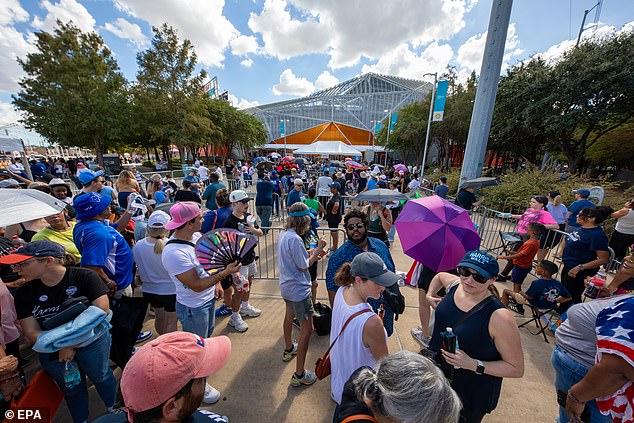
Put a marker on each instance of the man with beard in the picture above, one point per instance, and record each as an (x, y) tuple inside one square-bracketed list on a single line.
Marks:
[(355, 223), (165, 379)]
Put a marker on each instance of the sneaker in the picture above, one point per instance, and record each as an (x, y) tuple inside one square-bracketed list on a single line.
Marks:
[(288, 355), (250, 311), (417, 334), (308, 378), (238, 324), (296, 323), (501, 278), (144, 336), (223, 311), (212, 395)]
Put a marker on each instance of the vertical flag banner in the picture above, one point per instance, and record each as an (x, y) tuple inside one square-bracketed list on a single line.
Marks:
[(393, 122), (282, 129), (441, 99), (377, 127)]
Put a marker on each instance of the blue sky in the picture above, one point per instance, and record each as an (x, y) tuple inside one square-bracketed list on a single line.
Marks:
[(271, 50)]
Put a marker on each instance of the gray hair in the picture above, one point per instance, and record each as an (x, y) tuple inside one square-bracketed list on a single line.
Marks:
[(409, 388)]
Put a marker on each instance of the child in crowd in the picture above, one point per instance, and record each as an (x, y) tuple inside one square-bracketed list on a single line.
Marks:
[(544, 293), (523, 258)]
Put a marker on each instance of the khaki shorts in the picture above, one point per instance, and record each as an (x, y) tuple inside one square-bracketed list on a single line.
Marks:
[(302, 309)]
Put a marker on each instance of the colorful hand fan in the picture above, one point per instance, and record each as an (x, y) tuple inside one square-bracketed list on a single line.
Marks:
[(218, 248)]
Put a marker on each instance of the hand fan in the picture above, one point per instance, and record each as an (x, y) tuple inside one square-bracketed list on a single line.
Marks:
[(220, 247)]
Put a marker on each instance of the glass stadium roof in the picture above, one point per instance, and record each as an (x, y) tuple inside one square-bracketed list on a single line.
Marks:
[(358, 102)]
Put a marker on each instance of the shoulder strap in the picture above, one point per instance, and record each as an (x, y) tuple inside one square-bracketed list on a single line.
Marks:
[(346, 324), (359, 417), (473, 311), (180, 241)]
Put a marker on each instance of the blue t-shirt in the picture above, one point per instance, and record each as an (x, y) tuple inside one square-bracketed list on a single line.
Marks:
[(193, 180), (293, 197), (106, 191), (277, 185), (574, 210), (102, 246), (215, 218), (559, 213), (441, 190), (544, 293), (160, 197), (264, 193), (581, 245), (371, 184)]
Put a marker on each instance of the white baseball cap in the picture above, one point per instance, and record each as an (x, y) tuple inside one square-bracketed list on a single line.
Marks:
[(158, 219), (238, 196)]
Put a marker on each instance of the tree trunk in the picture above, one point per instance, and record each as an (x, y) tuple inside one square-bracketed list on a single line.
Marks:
[(98, 151), (156, 153)]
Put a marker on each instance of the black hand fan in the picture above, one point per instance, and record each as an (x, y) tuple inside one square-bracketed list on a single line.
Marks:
[(220, 247)]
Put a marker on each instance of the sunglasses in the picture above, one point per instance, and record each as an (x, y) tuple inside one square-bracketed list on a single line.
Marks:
[(353, 226), (466, 272)]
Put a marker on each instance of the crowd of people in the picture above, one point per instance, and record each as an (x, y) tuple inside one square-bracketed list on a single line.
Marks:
[(113, 253)]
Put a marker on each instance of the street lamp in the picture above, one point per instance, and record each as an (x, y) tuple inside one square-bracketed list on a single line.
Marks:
[(389, 125), (431, 109), (283, 121)]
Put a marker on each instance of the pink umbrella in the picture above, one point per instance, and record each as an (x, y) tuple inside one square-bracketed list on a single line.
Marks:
[(436, 232), (353, 164), (400, 166)]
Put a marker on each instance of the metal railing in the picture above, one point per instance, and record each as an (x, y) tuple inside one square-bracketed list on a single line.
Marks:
[(267, 253)]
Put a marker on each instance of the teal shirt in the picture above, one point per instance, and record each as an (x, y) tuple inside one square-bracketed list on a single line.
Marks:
[(210, 195)]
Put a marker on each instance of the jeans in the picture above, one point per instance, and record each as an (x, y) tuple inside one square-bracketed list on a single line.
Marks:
[(276, 203), (264, 212), (568, 372), (93, 362), (199, 320)]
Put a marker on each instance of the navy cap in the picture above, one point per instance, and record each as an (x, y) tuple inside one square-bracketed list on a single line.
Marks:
[(41, 248), (87, 176), (482, 262), (583, 192), (335, 185), (90, 204)]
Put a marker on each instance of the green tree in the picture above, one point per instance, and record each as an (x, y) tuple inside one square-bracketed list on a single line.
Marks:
[(73, 92), (236, 129)]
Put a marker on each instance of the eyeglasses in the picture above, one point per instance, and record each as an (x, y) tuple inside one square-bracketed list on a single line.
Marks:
[(19, 266), (353, 226), (466, 272)]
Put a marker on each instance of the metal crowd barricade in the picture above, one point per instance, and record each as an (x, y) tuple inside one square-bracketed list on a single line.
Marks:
[(267, 253)]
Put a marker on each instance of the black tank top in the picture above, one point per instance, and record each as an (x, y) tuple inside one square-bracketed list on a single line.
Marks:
[(478, 393), (26, 234)]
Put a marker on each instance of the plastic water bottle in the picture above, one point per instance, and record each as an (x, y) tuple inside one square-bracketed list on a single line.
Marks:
[(72, 377), (449, 341), (596, 283), (17, 241)]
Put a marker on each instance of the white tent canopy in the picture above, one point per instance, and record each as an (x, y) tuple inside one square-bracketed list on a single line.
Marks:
[(22, 205), (331, 148), (10, 144)]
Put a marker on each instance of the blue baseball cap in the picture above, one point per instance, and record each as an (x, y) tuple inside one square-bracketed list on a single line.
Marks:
[(335, 185), (87, 176), (583, 192), (90, 204), (482, 262)]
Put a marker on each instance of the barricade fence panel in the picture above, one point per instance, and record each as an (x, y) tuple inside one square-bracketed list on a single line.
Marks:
[(267, 252)]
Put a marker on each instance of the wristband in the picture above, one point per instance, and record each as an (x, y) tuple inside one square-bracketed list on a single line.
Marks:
[(572, 397)]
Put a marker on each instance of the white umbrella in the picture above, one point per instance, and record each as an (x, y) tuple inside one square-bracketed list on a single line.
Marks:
[(22, 205)]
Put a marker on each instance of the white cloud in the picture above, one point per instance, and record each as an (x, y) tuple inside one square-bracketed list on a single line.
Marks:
[(65, 10), (325, 80), (247, 63), (244, 44), (200, 21), (11, 11), (13, 44), (242, 103), (8, 114), (128, 31), (349, 30), (471, 52), (290, 84), (406, 63)]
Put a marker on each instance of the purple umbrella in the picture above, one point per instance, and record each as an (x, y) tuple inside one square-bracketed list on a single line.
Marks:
[(436, 232), (400, 167)]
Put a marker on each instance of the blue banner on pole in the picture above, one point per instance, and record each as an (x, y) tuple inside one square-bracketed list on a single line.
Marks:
[(441, 99), (393, 121), (377, 127), (282, 129)]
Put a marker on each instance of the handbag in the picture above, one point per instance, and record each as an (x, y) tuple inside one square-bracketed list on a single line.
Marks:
[(322, 319), (69, 310), (322, 366)]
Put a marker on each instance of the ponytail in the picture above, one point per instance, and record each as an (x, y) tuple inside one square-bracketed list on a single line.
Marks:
[(343, 276), (557, 201), (159, 235)]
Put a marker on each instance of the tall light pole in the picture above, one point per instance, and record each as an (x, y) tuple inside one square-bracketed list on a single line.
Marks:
[(431, 110), (283, 121), (389, 125)]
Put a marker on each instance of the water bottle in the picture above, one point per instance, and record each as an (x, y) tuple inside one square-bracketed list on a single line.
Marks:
[(596, 283), (449, 340), (72, 377), (17, 241)]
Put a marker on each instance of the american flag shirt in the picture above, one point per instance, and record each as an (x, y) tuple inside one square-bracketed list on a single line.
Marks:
[(615, 335)]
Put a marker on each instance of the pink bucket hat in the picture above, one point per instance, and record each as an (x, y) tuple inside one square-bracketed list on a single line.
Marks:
[(162, 367), (182, 212)]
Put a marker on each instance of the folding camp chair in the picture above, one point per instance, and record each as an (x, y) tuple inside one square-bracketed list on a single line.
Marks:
[(537, 314), (508, 240)]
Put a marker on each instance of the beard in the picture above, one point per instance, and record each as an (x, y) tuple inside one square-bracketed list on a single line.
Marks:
[(360, 240)]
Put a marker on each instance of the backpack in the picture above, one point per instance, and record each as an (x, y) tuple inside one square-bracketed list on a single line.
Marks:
[(394, 299)]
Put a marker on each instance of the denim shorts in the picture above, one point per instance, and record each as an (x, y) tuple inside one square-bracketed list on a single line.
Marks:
[(302, 309)]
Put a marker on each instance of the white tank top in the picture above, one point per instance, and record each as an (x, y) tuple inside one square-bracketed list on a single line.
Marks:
[(348, 353), (625, 224)]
